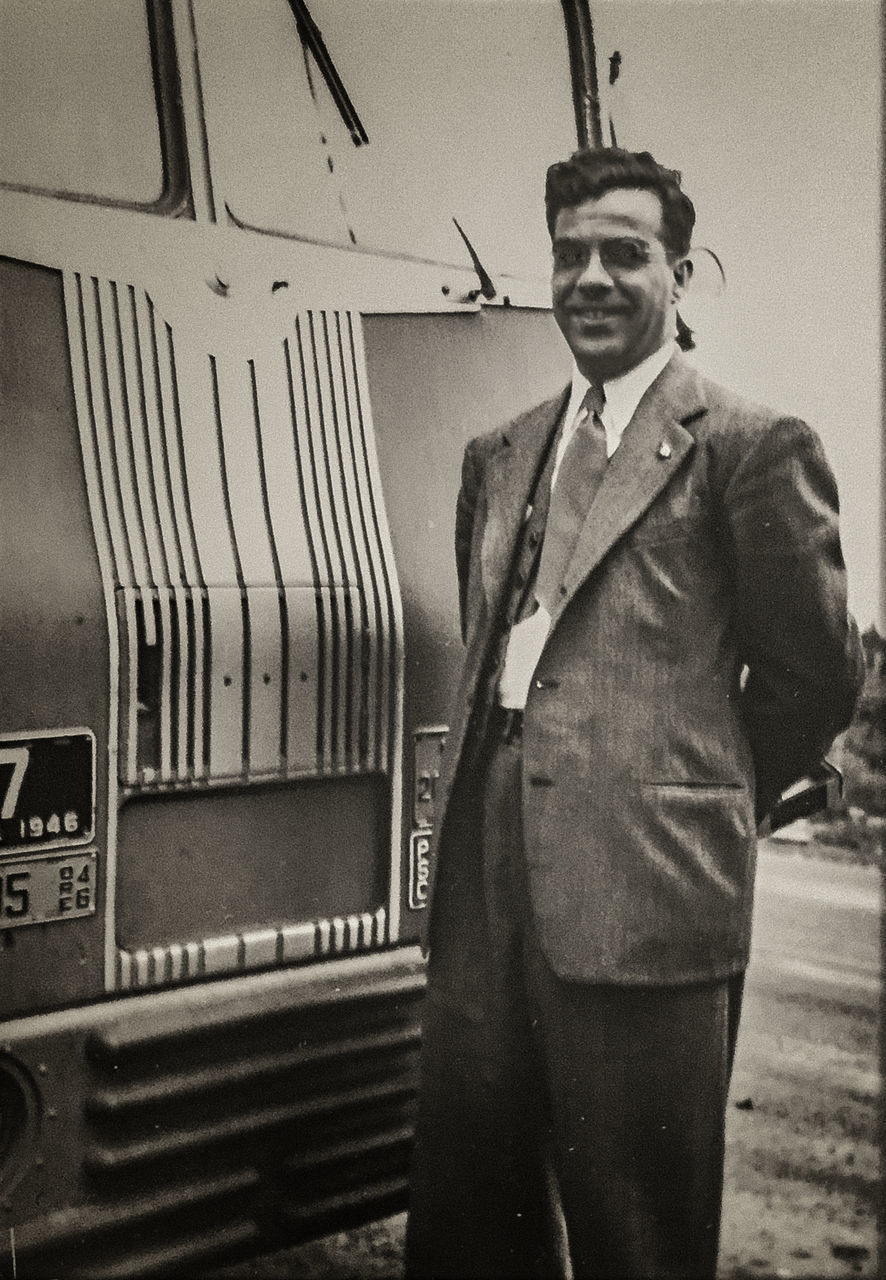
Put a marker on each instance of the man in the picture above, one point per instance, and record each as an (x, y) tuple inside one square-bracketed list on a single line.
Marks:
[(653, 602)]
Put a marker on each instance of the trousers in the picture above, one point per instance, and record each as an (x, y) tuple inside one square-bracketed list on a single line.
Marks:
[(564, 1129)]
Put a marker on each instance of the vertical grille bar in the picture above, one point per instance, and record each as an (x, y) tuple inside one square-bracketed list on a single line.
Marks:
[(159, 462), (390, 668), (307, 423), (330, 408), (117, 408), (135, 427), (353, 524), (374, 631), (275, 674), (169, 411), (94, 368)]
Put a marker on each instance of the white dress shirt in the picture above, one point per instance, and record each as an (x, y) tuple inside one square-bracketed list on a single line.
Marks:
[(623, 394)]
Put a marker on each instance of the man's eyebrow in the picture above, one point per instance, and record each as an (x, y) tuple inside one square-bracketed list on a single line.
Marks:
[(615, 235)]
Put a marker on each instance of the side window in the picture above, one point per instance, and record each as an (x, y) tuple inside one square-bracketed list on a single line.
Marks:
[(78, 100)]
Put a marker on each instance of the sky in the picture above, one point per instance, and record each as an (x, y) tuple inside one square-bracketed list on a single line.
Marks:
[(771, 110)]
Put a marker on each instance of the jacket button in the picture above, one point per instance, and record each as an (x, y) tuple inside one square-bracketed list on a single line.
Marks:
[(539, 780), (547, 684)]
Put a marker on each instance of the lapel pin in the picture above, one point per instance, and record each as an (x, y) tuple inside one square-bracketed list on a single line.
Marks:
[(664, 449)]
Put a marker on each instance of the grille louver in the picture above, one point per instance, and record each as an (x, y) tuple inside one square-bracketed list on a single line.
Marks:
[(216, 1129)]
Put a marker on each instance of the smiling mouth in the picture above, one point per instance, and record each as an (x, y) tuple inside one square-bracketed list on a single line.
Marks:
[(590, 315)]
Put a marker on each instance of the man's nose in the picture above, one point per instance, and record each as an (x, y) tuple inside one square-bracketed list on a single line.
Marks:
[(594, 273)]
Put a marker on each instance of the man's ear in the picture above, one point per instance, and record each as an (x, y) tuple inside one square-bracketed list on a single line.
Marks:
[(682, 270)]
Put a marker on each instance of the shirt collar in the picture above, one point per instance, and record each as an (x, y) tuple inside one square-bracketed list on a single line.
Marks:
[(623, 393)]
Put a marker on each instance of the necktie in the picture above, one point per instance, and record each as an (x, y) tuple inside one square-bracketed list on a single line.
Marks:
[(581, 471)]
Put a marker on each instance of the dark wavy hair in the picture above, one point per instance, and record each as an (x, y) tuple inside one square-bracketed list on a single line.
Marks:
[(587, 175)]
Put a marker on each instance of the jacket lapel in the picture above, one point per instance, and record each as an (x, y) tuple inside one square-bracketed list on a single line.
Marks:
[(651, 451), (510, 479)]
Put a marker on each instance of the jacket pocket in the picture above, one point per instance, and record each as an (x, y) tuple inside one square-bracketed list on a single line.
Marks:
[(697, 843)]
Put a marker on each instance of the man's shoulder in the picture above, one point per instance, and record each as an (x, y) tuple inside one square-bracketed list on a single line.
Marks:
[(741, 435), (733, 419)]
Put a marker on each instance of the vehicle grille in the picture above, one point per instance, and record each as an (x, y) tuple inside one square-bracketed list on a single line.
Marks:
[(212, 1135), (236, 502)]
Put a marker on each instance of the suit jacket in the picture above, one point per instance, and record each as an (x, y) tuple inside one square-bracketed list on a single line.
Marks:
[(700, 660)]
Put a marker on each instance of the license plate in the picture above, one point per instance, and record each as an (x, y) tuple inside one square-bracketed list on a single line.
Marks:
[(47, 790), (43, 889)]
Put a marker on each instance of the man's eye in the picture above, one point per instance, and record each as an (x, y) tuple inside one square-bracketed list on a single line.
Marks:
[(568, 255), (624, 255)]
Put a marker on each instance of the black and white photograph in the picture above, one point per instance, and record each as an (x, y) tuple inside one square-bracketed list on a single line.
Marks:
[(442, 640)]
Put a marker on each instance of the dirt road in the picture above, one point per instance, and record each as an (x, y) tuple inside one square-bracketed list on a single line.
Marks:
[(802, 1172)]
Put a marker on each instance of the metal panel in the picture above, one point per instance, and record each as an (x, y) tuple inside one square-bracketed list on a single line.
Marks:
[(245, 952), (95, 429), (177, 1124), (225, 682), (284, 482), (241, 472), (202, 460), (286, 694), (234, 483), (168, 461), (226, 481), (135, 407), (303, 612), (117, 395), (196, 866), (505, 360), (53, 624), (265, 692)]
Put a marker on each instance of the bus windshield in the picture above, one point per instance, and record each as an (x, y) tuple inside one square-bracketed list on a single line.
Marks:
[(464, 102)]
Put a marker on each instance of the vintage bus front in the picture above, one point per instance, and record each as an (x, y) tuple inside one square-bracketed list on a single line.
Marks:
[(265, 269)]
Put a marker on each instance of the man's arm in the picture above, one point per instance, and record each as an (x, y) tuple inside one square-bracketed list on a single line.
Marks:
[(801, 649)]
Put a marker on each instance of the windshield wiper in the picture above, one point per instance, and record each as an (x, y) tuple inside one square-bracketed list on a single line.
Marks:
[(487, 288), (311, 38)]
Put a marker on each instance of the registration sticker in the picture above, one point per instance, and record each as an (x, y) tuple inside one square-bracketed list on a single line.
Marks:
[(42, 889), (47, 789)]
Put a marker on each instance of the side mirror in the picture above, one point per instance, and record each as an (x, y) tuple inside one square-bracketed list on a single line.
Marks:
[(811, 794)]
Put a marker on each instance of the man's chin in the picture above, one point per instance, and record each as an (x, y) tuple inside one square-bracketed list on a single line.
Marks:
[(599, 360)]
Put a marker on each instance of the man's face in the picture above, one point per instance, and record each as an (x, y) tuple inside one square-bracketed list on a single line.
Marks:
[(615, 292)]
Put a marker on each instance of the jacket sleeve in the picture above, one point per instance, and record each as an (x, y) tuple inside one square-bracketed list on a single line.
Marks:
[(465, 508), (800, 647)]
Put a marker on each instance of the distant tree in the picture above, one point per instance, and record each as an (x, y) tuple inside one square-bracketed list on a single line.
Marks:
[(863, 749)]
